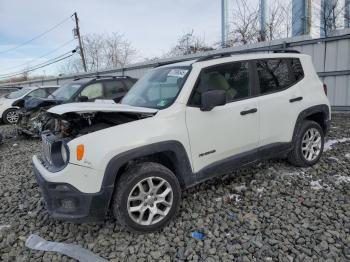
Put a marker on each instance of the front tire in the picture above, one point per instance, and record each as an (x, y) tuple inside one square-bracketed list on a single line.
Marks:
[(146, 198), (10, 116), (308, 145)]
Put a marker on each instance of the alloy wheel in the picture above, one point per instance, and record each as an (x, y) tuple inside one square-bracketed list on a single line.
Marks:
[(150, 201), (311, 144), (12, 117)]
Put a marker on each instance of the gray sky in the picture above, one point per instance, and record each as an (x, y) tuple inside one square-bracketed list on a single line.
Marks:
[(152, 26)]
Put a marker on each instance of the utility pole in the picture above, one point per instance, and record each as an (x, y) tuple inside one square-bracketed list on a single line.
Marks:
[(77, 34), (224, 23), (264, 17)]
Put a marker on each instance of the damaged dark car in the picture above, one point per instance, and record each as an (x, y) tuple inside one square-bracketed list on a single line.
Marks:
[(34, 118)]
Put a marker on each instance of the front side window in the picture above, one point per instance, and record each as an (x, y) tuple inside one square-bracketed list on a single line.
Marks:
[(158, 88), (232, 78), (93, 91), (65, 92), (274, 75)]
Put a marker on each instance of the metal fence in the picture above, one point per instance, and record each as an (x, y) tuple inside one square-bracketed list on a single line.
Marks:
[(331, 57)]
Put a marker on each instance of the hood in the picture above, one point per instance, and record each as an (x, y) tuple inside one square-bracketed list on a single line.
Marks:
[(91, 107), (36, 102)]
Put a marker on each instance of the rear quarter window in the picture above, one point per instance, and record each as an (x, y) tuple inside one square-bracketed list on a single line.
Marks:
[(278, 74), (297, 69)]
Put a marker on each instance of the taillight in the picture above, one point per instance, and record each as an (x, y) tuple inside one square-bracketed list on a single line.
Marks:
[(325, 89)]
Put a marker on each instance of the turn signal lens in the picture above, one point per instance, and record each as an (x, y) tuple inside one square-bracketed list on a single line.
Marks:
[(80, 152)]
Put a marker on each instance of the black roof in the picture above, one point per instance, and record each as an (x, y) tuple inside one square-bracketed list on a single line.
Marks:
[(226, 54)]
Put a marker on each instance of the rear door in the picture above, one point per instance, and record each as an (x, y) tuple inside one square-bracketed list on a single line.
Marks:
[(229, 131), (280, 100)]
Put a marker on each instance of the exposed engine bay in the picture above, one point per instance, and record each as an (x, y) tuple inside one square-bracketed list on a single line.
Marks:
[(73, 125), (33, 117)]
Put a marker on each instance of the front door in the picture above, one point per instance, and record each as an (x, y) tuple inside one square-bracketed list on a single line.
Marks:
[(226, 132)]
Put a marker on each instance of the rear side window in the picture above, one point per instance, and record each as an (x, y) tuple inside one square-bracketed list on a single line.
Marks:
[(278, 74), (129, 83), (113, 88)]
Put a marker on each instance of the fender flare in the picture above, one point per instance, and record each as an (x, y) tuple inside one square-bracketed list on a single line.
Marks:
[(181, 161), (308, 112)]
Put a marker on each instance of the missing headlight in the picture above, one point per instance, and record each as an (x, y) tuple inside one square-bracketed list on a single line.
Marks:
[(59, 154), (55, 152)]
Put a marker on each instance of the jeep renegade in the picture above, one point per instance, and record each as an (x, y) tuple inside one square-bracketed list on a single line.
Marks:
[(178, 126)]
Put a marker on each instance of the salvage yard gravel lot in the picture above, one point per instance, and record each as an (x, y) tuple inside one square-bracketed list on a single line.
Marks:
[(267, 212)]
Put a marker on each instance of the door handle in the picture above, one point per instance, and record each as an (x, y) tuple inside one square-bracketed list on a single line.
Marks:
[(295, 99), (250, 111)]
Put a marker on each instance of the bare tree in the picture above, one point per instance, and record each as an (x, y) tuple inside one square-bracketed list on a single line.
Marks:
[(280, 20), (118, 52), (102, 51), (93, 49), (187, 44), (245, 25)]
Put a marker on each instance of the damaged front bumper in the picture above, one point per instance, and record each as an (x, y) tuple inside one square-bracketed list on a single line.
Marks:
[(65, 202)]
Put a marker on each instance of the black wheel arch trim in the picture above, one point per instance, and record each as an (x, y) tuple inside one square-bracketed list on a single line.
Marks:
[(180, 161), (310, 111)]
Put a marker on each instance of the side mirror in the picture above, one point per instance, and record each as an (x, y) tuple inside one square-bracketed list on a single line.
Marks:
[(83, 99), (213, 98)]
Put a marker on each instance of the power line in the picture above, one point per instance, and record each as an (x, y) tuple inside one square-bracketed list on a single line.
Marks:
[(41, 65), (36, 37), (37, 58), (33, 69)]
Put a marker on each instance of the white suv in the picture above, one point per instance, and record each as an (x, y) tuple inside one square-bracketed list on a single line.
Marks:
[(178, 126)]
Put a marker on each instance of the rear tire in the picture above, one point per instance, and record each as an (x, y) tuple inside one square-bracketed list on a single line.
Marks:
[(10, 116), (308, 145), (146, 197)]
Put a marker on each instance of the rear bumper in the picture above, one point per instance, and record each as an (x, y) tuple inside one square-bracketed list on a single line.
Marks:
[(65, 202)]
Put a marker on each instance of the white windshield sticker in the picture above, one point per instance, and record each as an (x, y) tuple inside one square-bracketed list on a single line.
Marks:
[(177, 72)]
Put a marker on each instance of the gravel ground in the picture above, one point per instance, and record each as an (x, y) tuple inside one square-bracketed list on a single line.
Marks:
[(268, 212)]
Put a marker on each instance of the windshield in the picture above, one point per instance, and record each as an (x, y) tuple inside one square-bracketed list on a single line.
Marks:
[(158, 88), (65, 92), (19, 93)]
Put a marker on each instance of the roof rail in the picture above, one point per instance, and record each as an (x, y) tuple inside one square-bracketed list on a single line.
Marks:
[(100, 76), (226, 54)]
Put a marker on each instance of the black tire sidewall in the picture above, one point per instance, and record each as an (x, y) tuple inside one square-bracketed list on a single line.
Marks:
[(121, 197), (304, 128)]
